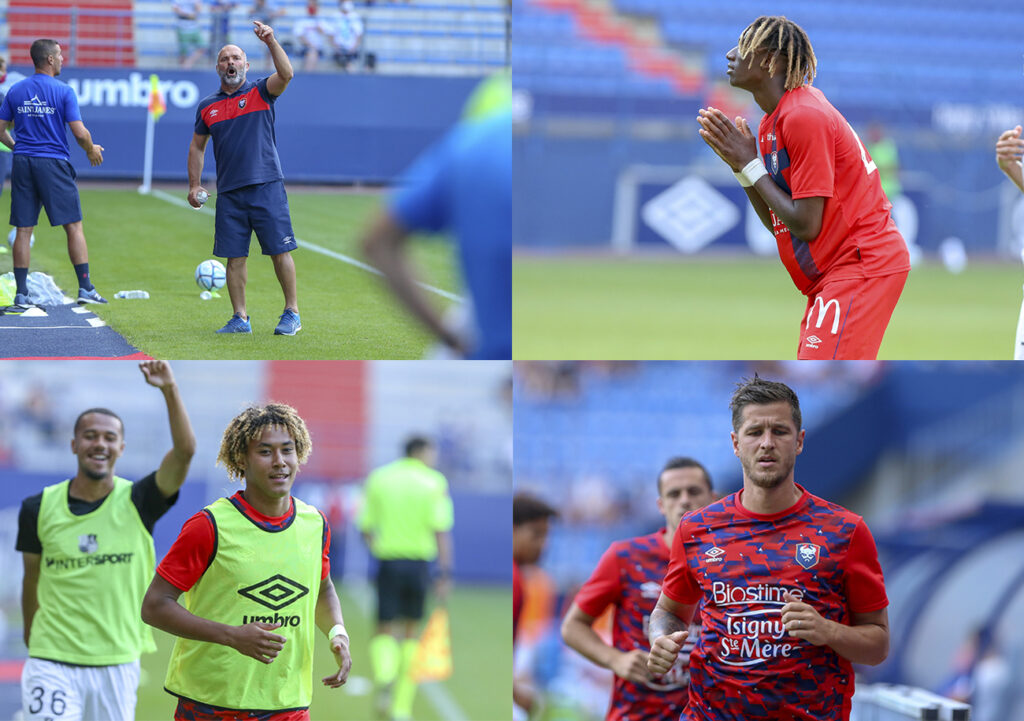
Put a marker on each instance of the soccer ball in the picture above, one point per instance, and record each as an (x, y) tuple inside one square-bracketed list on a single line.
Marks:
[(14, 232), (210, 275)]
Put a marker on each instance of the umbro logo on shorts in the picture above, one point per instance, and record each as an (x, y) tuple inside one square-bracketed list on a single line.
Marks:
[(275, 592)]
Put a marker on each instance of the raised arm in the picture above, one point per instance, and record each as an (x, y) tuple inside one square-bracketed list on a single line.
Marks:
[(84, 138), (328, 617), (666, 631), (277, 82), (579, 635), (1010, 153), (172, 471), (196, 158), (29, 585)]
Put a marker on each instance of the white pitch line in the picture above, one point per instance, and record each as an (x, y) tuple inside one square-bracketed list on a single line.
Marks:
[(175, 200), (46, 327)]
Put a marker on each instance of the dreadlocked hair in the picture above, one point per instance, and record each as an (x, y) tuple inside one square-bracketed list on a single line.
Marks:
[(782, 38), (249, 424)]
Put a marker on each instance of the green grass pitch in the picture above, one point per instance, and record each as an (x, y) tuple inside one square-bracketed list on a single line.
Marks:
[(144, 242), (729, 308), (480, 686)]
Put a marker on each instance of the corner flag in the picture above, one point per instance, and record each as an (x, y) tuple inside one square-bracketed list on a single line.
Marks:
[(433, 659), (157, 106)]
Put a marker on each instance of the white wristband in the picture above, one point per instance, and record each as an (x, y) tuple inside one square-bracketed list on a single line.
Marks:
[(743, 179), (754, 171), (337, 629)]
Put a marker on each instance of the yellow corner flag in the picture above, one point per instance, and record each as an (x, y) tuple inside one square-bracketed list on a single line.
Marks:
[(157, 107), (433, 659)]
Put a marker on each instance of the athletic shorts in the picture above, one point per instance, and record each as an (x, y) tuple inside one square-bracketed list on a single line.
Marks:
[(43, 182), (189, 710), (402, 586), (846, 319), (262, 208), (52, 690)]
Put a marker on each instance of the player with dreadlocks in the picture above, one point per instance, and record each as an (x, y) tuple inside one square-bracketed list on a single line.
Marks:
[(247, 565), (820, 193)]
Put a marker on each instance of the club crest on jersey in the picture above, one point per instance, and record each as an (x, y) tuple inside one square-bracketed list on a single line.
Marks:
[(807, 554), (241, 103), (775, 162), (87, 543), (714, 555)]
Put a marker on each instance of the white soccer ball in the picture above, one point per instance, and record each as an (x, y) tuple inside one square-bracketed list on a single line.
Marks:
[(14, 232), (210, 275)]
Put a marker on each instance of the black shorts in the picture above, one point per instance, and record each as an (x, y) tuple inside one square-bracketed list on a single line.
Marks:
[(402, 589)]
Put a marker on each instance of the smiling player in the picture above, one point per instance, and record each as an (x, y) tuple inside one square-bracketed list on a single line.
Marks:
[(255, 572), (791, 586), (814, 185)]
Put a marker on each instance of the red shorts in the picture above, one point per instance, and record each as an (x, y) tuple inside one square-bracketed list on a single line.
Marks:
[(846, 319), (189, 710)]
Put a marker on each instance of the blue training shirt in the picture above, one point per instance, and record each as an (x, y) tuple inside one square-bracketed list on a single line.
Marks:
[(463, 184), (242, 128), (40, 106)]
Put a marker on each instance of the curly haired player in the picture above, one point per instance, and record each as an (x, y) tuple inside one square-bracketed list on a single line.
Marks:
[(246, 567), (814, 185)]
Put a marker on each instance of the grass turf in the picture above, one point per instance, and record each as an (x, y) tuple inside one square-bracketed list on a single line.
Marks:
[(481, 682), (147, 243), (727, 308)]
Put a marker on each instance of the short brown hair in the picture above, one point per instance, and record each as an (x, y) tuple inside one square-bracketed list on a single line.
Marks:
[(684, 462), (42, 49), (761, 392), (526, 508), (249, 424)]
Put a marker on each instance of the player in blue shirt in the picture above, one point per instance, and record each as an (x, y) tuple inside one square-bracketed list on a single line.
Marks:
[(42, 176), (463, 184), (250, 184)]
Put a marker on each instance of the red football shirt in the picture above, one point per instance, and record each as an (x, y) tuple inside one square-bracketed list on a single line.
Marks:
[(628, 577), (746, 666), (811, 151), (191, 553), (517, 598)]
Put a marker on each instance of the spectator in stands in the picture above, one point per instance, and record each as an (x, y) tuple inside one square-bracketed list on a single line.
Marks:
[(42, 175), (348, 37), (220, 12), (463, 185), (190, 40), (314, 35), (1009, 153)]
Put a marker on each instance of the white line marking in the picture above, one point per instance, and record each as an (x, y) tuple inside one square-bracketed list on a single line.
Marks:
[(175, 200), (45, 327), (95, 322)]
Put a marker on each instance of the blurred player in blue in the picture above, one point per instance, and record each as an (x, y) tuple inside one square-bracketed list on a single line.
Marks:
[(42, 176), (250, 185), (463, 185)]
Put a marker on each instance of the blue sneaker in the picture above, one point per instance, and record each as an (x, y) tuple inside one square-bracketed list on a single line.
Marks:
[(289, 323), (89, 296), (237, 325), (22, 300)]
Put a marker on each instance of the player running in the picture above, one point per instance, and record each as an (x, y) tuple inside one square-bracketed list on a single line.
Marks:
[(628, 577), (790, 585), (814, 185), (42, 176), (249, 565), (250, 184), (88, 550)]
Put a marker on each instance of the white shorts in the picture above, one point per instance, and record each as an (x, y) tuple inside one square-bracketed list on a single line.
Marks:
[(52, 691)]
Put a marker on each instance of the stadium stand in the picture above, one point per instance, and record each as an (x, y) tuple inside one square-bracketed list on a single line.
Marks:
[(419, 37)]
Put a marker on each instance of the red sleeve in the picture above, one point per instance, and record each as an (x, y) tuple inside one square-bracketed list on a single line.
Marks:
[(191, 553), (517, 598), (865, 586), (325, 564), (679, 583), (811, 144), (603, 587)]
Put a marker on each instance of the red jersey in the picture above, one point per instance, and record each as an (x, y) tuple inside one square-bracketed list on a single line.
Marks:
[(628, 577), (746, 666), (193, 550), (811, 151), (517, 598)]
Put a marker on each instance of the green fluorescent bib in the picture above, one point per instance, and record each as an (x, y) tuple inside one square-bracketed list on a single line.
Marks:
[(93, 573), (256, 575)]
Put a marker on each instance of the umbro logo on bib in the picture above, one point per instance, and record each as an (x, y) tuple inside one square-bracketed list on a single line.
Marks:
[(275, 592)]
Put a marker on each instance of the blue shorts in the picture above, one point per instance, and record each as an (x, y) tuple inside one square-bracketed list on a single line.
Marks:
[(47, 183), (262, 208)]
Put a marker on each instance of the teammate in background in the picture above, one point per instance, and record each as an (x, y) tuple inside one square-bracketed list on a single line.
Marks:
[(88, 549), (250, 184), (819, 194), (530, 521), (789, 584), (406, 521), (463, 185), (42, 176), (628, 577), (250, 565), (1009, 152)]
